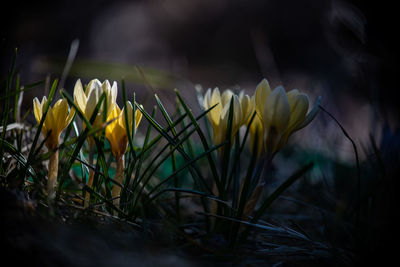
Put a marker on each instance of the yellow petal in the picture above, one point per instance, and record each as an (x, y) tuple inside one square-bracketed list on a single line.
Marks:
[(50, 121), (42, 104), (138, 118), (215, 113), (277, 110), (257, 131), (70, 116), (60, 113), (67, 116), (79, 96), (116, 131), (207, 105), (129, 110), (50, 126), (226, 97), (37, 109), (224, 117), (112, 120), (262, 92), (122, 118), (246, 105), (237, 114)]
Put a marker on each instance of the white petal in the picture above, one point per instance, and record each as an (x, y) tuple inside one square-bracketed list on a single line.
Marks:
[(207, 99), (79, 95), (92, 100)]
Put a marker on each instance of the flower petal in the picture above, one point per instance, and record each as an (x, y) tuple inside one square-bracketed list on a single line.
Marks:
[(93, 84), (92, 100), (207, 99), (237, 114), (215, 113), (311, 115), (112, 97), (261, 95), (298, 109), (79, 96), (129, 110), (37, 109), (138, 117), (226, 97), (247, 107), (49, 122), (277, 110), (60, 113)]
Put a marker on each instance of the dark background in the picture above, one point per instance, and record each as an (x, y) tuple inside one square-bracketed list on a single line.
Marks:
[(345, 46), (344, 51)]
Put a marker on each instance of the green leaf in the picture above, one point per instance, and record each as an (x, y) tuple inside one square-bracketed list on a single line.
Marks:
[(203, 139), (18, 156), (196, 174)]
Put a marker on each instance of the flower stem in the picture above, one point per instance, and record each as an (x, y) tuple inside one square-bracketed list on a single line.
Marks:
[(52, 176), (91, 173), (119, 175)]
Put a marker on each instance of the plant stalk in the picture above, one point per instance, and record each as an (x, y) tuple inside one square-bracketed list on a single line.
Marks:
[(119, 175), (52, 176), (91, 172)]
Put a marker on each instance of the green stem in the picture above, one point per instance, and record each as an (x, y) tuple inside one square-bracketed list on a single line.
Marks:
[(91, 172)]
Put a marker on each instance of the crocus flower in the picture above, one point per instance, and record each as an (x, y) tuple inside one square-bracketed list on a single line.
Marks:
[(57, 119), (219, 115), (116, 133), (87, 99), (281, 114)]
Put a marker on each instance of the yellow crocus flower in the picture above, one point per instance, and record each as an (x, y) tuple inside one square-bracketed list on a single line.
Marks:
[(57, 119), (219, 115), (116, 133), (87, 99), (280, 114)]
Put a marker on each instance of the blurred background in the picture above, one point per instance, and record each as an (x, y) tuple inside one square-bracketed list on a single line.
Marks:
[(344, 51)]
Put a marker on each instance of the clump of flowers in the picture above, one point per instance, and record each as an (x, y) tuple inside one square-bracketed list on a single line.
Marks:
[(218, 116), (279, 114), (86, 100), (271, 117)]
